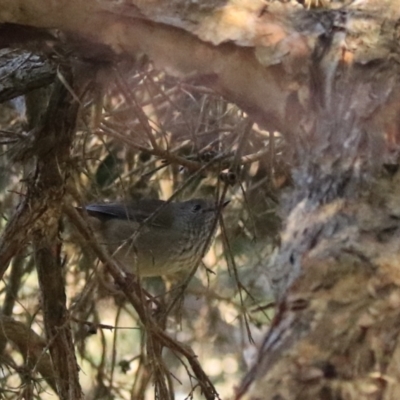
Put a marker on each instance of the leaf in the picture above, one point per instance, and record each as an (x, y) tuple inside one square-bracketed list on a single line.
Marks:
[(108, 170)]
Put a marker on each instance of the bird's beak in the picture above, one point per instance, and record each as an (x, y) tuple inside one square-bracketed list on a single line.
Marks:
[(215, 208), (225, 203)]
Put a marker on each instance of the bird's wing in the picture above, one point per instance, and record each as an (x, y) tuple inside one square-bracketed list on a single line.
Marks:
[(137, 212), (110, 210)]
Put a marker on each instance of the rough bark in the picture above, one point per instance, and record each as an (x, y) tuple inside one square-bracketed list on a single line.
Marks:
[(30, 345), (38, 220), (336, 331), (51, 148), (22, 73), (329, 82)]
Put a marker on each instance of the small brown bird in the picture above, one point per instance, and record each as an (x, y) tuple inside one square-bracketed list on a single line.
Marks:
[(153, 237)]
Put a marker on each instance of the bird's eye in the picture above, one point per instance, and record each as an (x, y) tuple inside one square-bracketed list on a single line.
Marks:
[(196, 207)]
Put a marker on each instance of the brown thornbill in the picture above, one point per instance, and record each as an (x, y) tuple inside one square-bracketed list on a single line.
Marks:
[(152, 237)]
